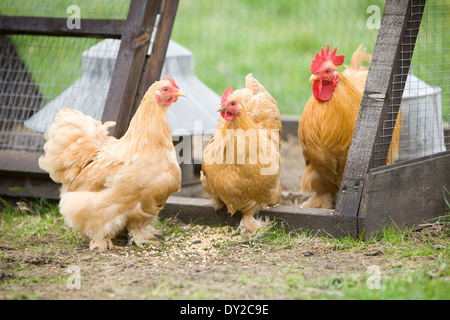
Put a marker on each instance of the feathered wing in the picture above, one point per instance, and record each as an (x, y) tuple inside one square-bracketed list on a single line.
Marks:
[(72, 142)]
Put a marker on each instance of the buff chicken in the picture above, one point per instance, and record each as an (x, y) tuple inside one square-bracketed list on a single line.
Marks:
[(241, 163), (111, 185)]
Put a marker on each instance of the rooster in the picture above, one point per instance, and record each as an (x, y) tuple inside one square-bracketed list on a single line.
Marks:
[(244, 176), (326, 128), (109, 184)]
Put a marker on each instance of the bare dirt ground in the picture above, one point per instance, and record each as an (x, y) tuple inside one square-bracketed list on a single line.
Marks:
[(292, 168), (41, 258), (193, 262)]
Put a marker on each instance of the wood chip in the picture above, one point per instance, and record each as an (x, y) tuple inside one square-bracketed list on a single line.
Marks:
[(374, 252)]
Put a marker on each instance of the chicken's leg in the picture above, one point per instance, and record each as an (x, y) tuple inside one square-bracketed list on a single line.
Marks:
[(101, 243), (140, 225), (324, 191), (248, 221), (217, 203)]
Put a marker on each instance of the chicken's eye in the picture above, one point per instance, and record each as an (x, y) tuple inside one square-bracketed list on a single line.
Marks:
[(328, 71), (233, 103), (166, 89)]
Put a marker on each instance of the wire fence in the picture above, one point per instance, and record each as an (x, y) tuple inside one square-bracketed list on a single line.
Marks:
[(420, 126), (41, 74)]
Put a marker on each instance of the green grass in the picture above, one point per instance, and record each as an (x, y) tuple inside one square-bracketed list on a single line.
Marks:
[(418, 269), (30, 221), (412, 265), (430, 282)]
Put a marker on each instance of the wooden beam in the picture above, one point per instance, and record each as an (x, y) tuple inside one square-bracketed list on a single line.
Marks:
[(322, 221), (162, 37), (129, 64), (395, 91), (290, 126), (95, 28), (376, 102), (20, 162), (39, 186), (154, 63), (186, 210), (407, 193)]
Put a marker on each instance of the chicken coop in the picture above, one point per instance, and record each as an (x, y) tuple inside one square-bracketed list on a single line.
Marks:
[(399, 160)]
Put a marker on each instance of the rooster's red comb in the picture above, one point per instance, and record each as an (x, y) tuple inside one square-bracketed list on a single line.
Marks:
[(326, 55), (166, 78), (226, 94)]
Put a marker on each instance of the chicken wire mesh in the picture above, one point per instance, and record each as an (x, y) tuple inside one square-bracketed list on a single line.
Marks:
[(420, 126), (36, 71)]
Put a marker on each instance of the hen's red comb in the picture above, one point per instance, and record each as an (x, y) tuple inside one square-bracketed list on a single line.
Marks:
[(326, 55), (226, 94), (171, 81)]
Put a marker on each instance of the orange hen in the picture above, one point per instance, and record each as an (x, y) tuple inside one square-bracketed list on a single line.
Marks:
[(241, 163), (110, 184)]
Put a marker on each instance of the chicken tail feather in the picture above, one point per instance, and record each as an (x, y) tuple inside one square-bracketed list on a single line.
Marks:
[(358, 57), (71, 143)]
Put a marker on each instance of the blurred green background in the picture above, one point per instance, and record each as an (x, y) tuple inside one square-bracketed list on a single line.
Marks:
[(274, 40)]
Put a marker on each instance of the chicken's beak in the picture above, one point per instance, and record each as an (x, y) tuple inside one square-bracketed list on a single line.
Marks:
[(313, 77), (221, 108), (179, 93)]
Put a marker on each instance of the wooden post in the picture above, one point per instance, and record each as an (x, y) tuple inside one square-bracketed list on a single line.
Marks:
[(135, 32), (154, 64), (93, 28), (129, 64), (395, 29), (168, 13)]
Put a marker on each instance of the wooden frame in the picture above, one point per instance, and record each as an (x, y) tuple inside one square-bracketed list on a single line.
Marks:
[(371, 195), (20, 168), (409, 192)]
